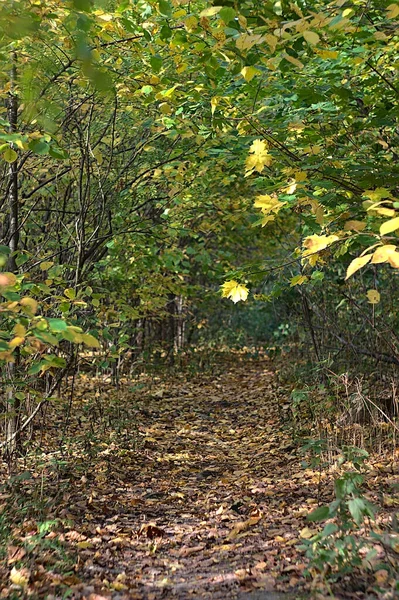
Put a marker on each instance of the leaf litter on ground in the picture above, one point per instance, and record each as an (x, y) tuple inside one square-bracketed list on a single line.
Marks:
[(195, 490)]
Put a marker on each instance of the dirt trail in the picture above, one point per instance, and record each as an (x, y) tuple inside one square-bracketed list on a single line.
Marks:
[(212, 504)]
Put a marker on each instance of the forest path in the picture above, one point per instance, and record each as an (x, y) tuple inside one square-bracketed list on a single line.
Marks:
[(210, 506)]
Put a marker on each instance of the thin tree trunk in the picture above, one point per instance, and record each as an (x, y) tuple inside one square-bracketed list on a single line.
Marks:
[(12, 404)]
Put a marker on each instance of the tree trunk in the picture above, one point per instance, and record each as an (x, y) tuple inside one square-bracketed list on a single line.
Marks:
[(12, 404)]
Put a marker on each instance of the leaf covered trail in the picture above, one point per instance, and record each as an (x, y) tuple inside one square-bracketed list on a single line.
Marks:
[(210, 506)]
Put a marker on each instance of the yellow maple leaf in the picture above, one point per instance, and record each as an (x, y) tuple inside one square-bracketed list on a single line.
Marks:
[(259, 157), (266, 219), (19, 577), (298, 280), (258, 147), (268, 204), (235, 291)]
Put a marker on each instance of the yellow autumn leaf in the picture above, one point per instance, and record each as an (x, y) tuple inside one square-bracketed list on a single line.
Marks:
[(373, 296), (326, 54), (393, 259), (377, 194), (19, 576), (256, 163), (298, 280), (293, 60), (382, 253), (268, 204), (234, 291), (7, 279), (266, 219), (315, 243), (392, 11), (357, 264), (118, 586), (271, 41), (17, 341), (315, 149), (290, 189), (307, 533), (20, 330), (300, 176), (249, 73), (90, 341), (10, 155), (245, 41), (84, 545), (311, 37), (259, 157), (30, 304), (258, 147), (46, 265), (165, 108), (211, 11), (383, 211), (191, 23), (214, 103), (389, 226)]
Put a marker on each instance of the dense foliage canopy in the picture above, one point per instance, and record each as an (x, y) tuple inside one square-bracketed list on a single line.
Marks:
[(142, 143)]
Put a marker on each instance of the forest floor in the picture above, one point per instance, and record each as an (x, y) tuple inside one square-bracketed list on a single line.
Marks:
[(196, 490)]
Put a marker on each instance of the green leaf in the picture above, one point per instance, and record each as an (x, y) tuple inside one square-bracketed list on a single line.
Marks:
[(71, 335), (35, 368), (227, 14), (147, 89), (57, 325), (39, 147), (356, 509), (101, 80), (21, 258), (46, 337), (329, 529), (10, 155), (156, 63), (319, 514), (55, 361), (70, 293), (165, 8), (58, 153), (85, 5)]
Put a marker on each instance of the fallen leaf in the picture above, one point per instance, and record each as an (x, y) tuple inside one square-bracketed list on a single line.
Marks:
[(20, 577), (242, 526), (14, 554), (151, 531), (307, 533)]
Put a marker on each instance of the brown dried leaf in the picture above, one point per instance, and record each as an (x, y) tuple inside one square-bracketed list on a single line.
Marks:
[(151, 531), (15, 553)]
